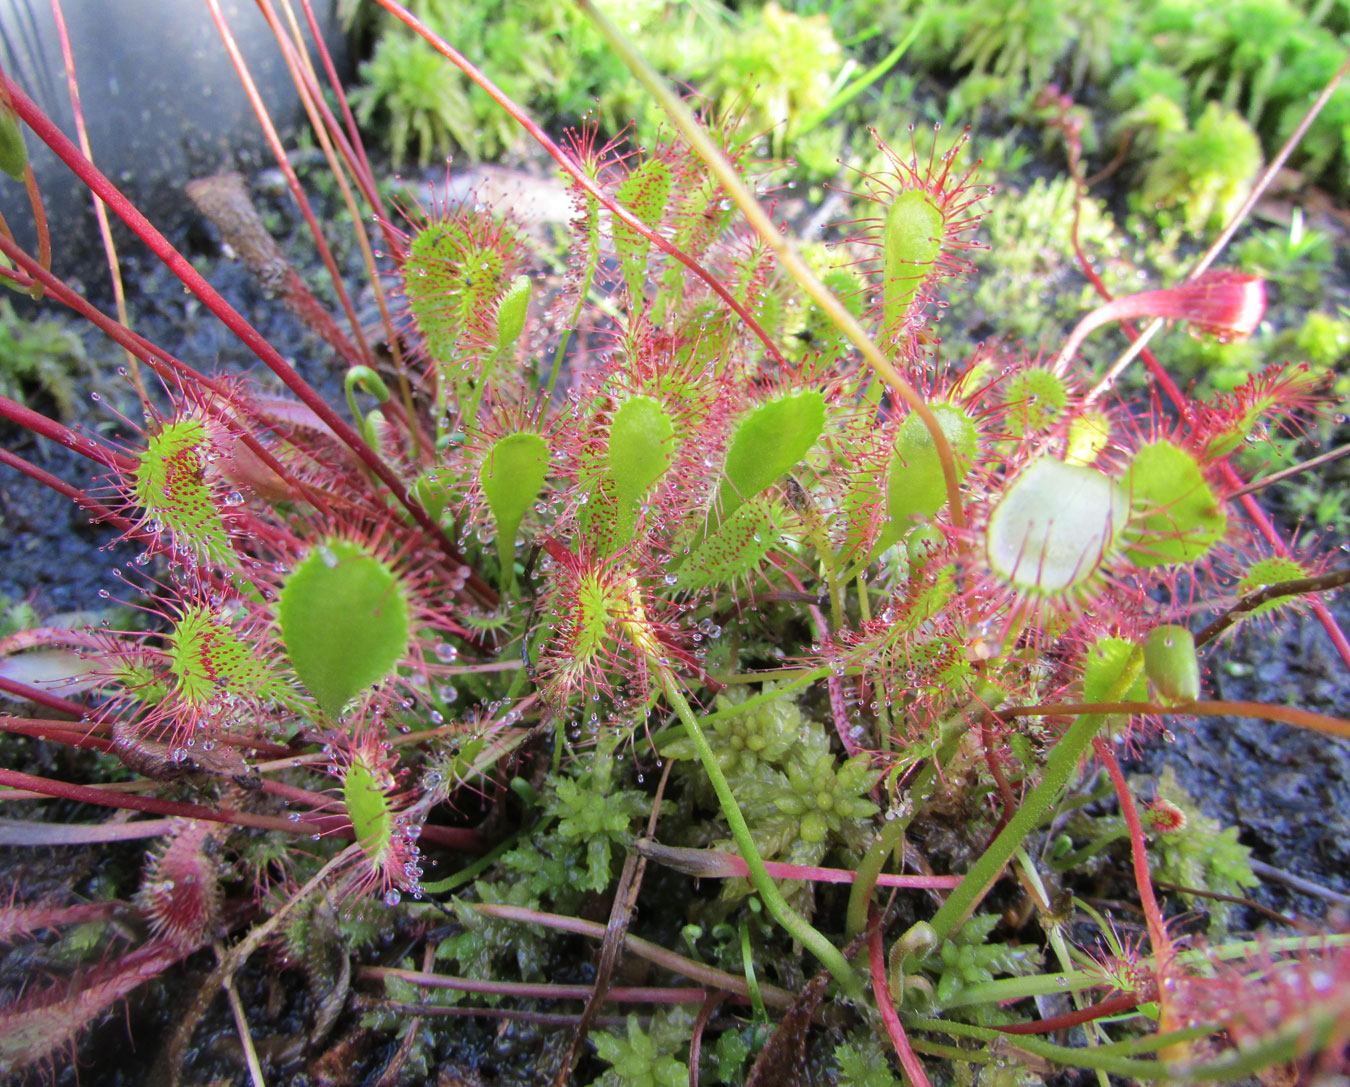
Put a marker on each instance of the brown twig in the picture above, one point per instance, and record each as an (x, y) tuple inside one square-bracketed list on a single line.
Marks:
[(1239, 900), (225, 201), (710, 976), (1293, 470), (620, 917), (1319, 583), (1298, 883)]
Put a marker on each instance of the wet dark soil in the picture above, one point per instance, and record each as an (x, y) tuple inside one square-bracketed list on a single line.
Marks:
[(1286, 788)]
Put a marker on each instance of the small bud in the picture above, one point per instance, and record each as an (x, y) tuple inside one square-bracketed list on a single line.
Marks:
[(1164, 817), (1171, 664), (918, 940), (511, 312), (13, 153)]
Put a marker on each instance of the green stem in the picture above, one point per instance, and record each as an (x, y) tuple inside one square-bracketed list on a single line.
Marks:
[(1006, 990), (1059, 770), (1100, 1058), (367, 380), (471, 871), (800, 929), (1301, 1035), (860, 896), (951, 1052), (1079, 857), (1054, 930)]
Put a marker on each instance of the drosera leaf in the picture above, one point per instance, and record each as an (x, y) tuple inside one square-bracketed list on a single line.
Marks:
[(171, 485), (367, 807), (345, 621), (641, 443), (211, 662), (767, 443), (1055, 526), (1035, 397), (735, 548), (911, 243), (598, 517), (1103, 667), (515, 304), (457, 270), (511, 476), (1271, 571), (916, 487), (1177, 518), (1171, 664), (645, 193)]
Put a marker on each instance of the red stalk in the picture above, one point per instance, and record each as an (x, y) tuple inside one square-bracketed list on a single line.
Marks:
[(881, 990), (353, 150), (716, 864), (53, 731), (163, 363), (1267, 529), (39, 216), (1157, 926), (996, 772), (296, 287), (56, 917), (42, 698), (60, 486), (1221, 302), (1110, 1006), (155, 805), (705, 1013), (49, 428), (100, 212)]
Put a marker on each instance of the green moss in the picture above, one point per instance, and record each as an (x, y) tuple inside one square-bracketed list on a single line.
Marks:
[(781, 67), (1030, 287), (41, 357), (644, 1058), (546, 56), (1200, 853), (1324, 339), (1204, 173)]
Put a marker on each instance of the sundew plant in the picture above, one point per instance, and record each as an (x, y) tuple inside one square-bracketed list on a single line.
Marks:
[(707, 564)]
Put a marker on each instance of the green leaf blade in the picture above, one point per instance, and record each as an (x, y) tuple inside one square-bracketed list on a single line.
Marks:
[(344, 620)]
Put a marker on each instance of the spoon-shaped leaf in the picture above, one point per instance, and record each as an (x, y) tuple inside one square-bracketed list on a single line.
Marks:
[(344, 619), (641, 440), (511, 477), (769, 441)]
